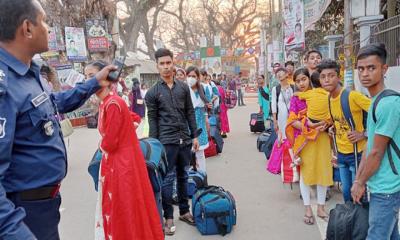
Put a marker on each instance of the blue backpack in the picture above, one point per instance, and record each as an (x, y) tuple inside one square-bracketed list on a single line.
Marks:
[(94, 167), (197, 180), (156, 162), (214, 211)]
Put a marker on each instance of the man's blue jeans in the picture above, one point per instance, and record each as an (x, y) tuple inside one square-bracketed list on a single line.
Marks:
[(384, 216), (347, 171), (178, 157)]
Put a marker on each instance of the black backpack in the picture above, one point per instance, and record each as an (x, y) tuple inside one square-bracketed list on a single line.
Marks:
[(392, 144), (348, 221)]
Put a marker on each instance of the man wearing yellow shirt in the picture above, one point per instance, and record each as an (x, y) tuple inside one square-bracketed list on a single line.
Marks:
[(345, 137)]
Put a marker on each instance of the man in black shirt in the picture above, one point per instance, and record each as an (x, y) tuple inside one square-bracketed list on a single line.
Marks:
[(172, 121)]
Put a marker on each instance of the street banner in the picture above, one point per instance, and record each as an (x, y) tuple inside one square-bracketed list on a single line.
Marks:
[(96, 32), (293, 16), (75, 44), (212, 65), (211, 59), (313, 11), (52, 39), (56, 42)]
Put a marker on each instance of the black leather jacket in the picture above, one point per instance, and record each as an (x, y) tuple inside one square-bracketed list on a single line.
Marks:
[(170, 113)]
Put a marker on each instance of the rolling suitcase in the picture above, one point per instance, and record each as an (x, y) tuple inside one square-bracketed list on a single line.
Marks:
[(257, 123)]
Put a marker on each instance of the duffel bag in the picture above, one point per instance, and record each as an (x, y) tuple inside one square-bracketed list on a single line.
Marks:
[(262, 140), (211, 151), (197, 180), (214, 211), (348, 221), (218, 140)]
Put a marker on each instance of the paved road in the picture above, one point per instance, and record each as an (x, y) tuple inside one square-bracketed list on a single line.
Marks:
[(267, 209)]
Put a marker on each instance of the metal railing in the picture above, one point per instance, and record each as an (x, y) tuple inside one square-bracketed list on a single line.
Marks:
[(388, 32)]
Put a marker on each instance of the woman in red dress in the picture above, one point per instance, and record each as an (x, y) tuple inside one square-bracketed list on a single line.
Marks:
[(126, 209)]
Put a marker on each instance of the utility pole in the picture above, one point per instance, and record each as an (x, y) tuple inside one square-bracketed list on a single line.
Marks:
[(391, 8), (348, 45)]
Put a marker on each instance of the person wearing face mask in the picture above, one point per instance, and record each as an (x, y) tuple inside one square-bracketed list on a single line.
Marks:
[(199, 101), (136, 99)]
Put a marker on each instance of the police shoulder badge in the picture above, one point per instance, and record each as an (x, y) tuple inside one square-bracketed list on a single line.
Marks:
[(2, 75), (2, 127)]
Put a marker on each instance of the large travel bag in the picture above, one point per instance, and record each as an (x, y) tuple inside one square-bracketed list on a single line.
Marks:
[(348, 221), (214, 211), (218, 140), (257, 123), (211, 151), (230, 99), (262, 140)]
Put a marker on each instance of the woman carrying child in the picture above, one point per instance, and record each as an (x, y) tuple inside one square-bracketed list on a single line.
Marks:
[(310, 142)]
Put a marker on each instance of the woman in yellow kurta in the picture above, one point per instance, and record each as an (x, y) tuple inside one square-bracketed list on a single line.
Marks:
[(315, 151)]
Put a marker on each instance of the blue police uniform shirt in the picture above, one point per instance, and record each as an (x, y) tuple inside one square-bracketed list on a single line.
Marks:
[(29, 157)]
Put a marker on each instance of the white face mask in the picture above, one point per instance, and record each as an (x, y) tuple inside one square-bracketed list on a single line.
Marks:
[(191, 81)]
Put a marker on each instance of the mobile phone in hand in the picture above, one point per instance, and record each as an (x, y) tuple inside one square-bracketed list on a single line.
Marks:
[(119, 62)]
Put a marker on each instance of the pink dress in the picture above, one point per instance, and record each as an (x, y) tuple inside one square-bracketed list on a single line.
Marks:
[(296, 106), (224, 111)]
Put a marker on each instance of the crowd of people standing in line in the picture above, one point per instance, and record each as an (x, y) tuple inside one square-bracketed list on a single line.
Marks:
[(330, 127), (178, 110), (32, 148)]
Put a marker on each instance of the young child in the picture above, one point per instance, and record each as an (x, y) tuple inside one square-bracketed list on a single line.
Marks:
[(316, 99), (314, 115)]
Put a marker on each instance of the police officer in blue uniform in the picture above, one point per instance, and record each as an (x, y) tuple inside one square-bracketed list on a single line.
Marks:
[(33, 158)]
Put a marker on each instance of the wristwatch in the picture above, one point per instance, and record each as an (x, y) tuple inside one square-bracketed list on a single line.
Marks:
[(365, 134)]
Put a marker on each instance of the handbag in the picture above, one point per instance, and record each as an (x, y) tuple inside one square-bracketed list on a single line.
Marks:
[(66, 127), (274, 163)]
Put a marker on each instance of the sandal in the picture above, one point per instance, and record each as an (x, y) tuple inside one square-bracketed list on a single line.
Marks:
[(169, 230), (187, 218), (324, 218), (309, 220)]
